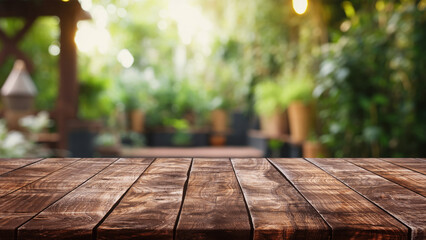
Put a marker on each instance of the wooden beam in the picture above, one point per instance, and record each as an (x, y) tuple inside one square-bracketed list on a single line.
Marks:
[(67, 103), (10, 44)]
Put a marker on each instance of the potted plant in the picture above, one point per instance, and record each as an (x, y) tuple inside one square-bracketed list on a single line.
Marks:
[(136, 98), (269, 106), (219, 120), (297, 95), (107, 145)]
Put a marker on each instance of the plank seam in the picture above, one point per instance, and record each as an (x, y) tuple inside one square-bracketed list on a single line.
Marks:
[(41, 177), (303, 196), (185, 188), (95, 228), (383, 177), (410, 234), (39, 160), (16, 230), (396, 164), (250, 218)]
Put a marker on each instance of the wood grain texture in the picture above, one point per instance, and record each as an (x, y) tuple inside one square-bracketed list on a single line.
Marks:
[(20, 206), (414, 164), (350, 215), (402, 203), (214, 206), (278, 211), (76, 214), (10, 164), (14, 180), (150, 208), (412, 180)]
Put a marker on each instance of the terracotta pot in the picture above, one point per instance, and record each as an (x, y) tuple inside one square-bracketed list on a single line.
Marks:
[(217, 140), (300, 121), (137, 121), (272, 126), (219, 120), (313, 150)]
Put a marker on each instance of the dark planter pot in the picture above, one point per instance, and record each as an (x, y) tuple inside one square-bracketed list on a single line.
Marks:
[(81, 143), (236, 139), (287, 150), (166, 139), (296, 151), (240, 123), (81, 138)]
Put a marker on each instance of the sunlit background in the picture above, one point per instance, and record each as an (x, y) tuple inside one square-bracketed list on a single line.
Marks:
[(203, 73)]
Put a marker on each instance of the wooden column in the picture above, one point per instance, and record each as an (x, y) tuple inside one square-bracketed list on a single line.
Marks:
[(67, 103)]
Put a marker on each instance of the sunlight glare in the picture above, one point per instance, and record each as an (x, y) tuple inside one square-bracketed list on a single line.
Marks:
[(300, 6), (125, 58), (190, 20), (89, 38)]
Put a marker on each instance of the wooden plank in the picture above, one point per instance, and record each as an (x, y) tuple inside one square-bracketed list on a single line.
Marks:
[(20, 206), (76, 214), (349, 214), (8, 164), (395, 199), (14, 180), (414, 164), (412, 180), (277, 210), (214, 206), (150, 209)]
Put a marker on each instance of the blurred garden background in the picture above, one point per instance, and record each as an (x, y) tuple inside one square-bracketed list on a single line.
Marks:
[(288, 78)]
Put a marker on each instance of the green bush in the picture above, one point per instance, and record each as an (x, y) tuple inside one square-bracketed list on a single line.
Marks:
[(371, 85)]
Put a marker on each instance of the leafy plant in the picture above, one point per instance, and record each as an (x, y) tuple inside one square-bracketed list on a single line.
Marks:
[(297, 89), (369, 84), (268, 98), (181, 137)]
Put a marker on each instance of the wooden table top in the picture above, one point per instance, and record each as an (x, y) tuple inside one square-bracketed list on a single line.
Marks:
[(184, 198)]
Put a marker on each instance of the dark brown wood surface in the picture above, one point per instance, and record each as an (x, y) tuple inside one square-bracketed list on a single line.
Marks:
[(20, 206), (76, 214), (393, 198), (414, 164), (18, 178), (151, 207), (213, 207), (349, 214), (182, 198), (412, 180), (7, 165), (277, 210)]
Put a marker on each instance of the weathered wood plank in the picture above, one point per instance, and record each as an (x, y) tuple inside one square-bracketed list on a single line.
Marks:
[(277, 210), (402, 203), (349, 214), (214, 206), (20, 206), (8, 165), (150, 208), (14, 180), (412, 180), (414, 164), (76, 214)]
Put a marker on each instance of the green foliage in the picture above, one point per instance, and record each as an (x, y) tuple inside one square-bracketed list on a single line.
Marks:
[(181, 137), (297, 89), (369, 85), (43, 34), (268, 98)]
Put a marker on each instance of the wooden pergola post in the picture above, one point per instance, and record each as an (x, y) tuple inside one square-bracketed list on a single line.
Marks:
[(67, 103), (69, 13)]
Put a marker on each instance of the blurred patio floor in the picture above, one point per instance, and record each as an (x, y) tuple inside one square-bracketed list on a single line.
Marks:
[(209, 152)]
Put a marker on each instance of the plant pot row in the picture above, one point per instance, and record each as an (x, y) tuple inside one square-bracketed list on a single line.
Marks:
[(296, 121)]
